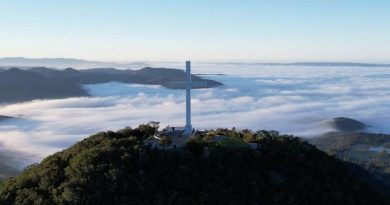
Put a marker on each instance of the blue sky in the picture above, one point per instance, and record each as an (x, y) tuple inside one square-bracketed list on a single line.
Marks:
[(277, 30)]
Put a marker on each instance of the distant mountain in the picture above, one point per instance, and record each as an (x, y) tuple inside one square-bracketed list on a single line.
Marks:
[(24, 63), (17, 85), (324, 64), (118, 168), (2, 117), (64, 63), (331, 64), (345, 124)]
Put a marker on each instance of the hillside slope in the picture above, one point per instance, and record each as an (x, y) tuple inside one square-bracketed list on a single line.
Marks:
[(117, 168), (368, 150)]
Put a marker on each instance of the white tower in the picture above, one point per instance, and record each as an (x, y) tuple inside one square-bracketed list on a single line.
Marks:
[(188, 127), (189, 84)]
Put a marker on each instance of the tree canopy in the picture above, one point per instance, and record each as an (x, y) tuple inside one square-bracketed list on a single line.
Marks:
[(117, 168)]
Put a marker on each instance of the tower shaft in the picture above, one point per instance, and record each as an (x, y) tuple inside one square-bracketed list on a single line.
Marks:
[(188, 128)]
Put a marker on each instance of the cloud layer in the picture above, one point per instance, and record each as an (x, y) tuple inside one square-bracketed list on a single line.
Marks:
[(292, 100)]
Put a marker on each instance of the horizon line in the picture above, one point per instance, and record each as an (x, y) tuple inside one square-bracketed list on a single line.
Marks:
[(201, 61)]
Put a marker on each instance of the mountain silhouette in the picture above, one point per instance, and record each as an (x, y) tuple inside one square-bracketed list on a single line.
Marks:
[(17, 85)]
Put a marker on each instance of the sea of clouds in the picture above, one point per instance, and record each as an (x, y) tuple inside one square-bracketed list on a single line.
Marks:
[(289, 99)]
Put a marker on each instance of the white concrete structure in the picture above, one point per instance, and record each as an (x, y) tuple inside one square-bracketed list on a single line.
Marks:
[(189, 84)]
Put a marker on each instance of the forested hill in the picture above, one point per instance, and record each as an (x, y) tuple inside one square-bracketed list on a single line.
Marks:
[(17, 85), (117, 168)]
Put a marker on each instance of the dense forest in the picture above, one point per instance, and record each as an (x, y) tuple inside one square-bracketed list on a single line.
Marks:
[(117, 168)]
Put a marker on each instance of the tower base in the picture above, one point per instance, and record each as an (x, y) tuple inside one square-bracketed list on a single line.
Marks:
[(188, 131)]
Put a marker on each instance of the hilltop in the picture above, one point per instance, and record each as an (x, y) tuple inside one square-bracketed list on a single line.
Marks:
[(118, 168), (18, 85), (344, 124)]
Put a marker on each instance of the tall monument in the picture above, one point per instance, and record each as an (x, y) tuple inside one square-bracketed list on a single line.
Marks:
[(189, 84), (188, 127)]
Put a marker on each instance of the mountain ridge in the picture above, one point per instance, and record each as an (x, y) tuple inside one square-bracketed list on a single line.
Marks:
[(4, 117), (18, 85), (81, 63), (64, 63), (315, 64)]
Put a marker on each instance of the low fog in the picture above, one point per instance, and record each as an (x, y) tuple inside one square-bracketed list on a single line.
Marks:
[(291, 100)]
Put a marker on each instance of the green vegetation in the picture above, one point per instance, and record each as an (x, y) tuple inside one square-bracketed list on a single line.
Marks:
[(117, 168), (232, 143), (1, 185), (165, 140)]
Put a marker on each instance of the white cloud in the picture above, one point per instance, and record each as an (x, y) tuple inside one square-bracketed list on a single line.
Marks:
[(270, 98)]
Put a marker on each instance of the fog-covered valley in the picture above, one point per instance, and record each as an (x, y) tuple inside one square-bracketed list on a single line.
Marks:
[(290, 99)]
